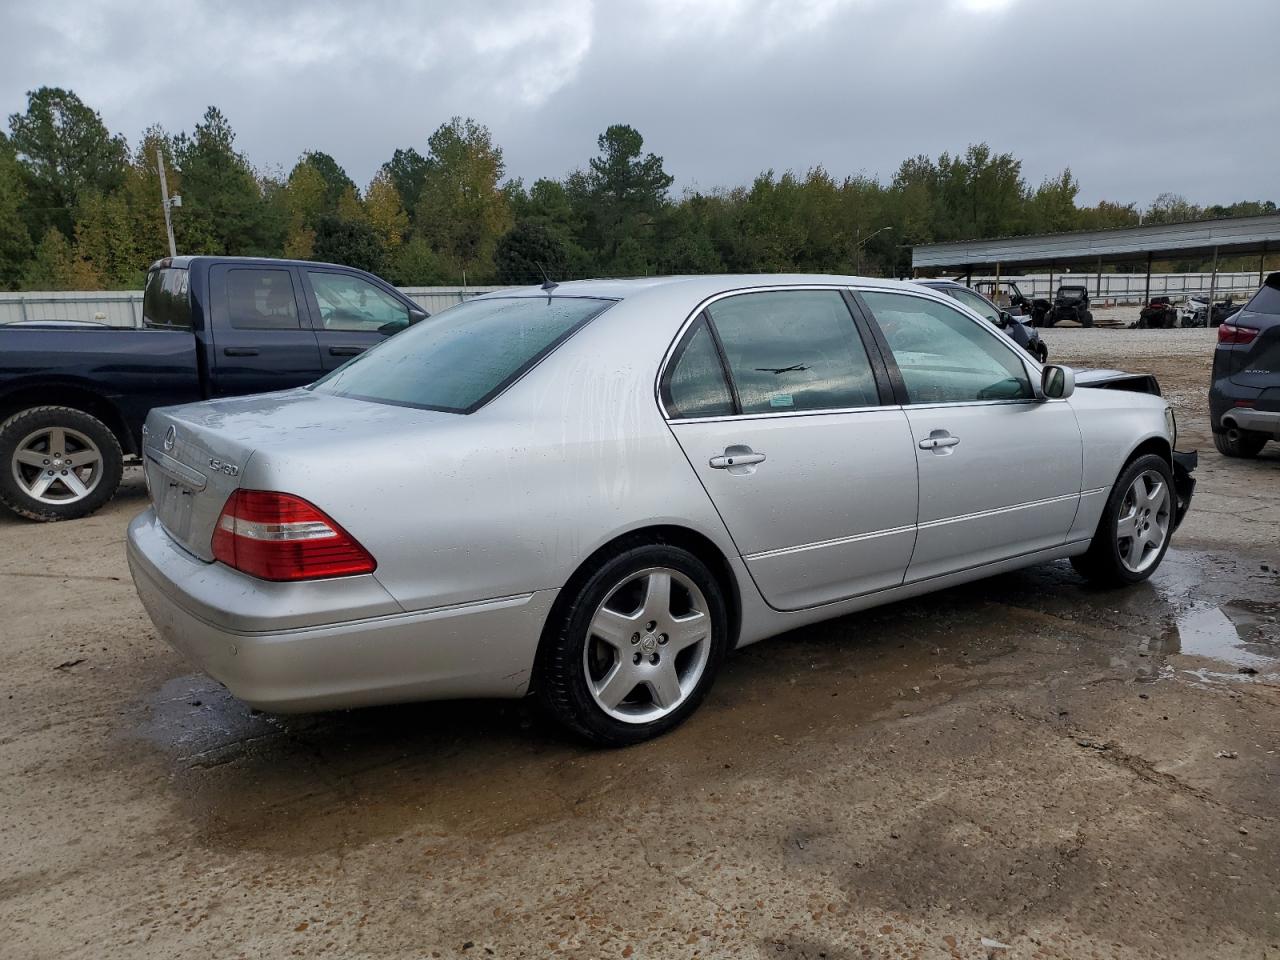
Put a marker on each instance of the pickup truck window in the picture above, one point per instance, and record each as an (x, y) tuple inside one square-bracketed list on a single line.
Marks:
[(261, 300), (350, 303), (165, 303), (465, 356)]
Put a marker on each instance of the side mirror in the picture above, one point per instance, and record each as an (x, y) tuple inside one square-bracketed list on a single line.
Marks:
[(1006, 318), (1057, 382), (417, 316)]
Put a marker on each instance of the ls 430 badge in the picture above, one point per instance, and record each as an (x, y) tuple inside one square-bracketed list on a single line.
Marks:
[(230, 469)]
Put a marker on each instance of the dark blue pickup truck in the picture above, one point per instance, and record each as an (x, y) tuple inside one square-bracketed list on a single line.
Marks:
[(73, 397)]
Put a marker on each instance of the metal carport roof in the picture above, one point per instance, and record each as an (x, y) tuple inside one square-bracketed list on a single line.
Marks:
[(1158, 241)]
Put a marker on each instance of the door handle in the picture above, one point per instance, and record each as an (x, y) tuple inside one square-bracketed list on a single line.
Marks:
[(727, 460), (239, 352), (345, 351), (938, 441)]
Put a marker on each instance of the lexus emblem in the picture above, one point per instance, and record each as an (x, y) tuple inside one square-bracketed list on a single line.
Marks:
[(170, 437)]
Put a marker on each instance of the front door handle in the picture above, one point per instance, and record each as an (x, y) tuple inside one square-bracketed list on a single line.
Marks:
[(939, 441), (345, 351), (239, 352), (728, 460)]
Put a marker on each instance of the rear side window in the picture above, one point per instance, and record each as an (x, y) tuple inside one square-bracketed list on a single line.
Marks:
[(1267, 299), (974, 302), (165, 303), (460, 359), (793, 350), (695, 385), (944, 355), (261, 300)]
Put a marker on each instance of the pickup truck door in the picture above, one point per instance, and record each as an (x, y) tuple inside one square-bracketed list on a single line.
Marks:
[(260, 339), (350, 313)]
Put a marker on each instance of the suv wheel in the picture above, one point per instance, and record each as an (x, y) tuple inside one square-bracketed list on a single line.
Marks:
[(57, 463), (1086, 319), (637, 648), (1134, 531), (1239, 443)]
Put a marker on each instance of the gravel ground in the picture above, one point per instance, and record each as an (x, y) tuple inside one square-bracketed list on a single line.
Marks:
[(1023, 761)]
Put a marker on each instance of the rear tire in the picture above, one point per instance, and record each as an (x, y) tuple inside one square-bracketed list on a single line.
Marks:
[(1133, 533), (621, 663), (1239, 443), (57, 463)]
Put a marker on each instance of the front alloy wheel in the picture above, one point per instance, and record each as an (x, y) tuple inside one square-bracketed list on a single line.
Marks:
[(1134, 530)]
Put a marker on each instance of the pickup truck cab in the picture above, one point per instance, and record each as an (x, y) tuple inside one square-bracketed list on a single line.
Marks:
[(73, 397)]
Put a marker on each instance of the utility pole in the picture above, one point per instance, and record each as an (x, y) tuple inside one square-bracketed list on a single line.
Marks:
[(166, 203)]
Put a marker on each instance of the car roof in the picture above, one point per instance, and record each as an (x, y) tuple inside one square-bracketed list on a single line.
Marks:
[(695, 286)]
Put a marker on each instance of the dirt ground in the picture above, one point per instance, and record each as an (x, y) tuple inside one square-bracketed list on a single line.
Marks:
[(1023, 767)]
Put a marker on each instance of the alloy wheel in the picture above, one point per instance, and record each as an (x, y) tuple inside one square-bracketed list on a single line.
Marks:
[(1143, 525), (647, 645), (57, 465)]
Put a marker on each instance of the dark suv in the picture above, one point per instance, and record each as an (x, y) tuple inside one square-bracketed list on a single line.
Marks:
[(1071, 303), (1244, 398)]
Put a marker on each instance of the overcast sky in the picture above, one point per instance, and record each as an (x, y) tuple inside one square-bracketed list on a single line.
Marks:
[(1136, 96)]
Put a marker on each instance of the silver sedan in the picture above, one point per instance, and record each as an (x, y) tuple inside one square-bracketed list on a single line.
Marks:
[(593, 491)]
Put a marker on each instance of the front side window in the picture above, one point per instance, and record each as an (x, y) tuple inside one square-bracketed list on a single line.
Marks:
[(352, 303), (261, 300), (980, 305), (695, 385), (793, 350), (463, 357), (944, 355)]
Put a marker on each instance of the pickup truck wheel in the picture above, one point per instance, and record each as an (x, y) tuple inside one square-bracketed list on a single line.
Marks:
[(1136, 525), (57, 463)]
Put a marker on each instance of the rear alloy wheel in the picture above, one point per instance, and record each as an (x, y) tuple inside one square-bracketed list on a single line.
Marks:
[(57, 463), (637, 648), (1133, 533), (1239, 443)]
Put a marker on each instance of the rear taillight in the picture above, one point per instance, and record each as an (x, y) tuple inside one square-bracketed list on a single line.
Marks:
[(277, 536), (1230, 333)]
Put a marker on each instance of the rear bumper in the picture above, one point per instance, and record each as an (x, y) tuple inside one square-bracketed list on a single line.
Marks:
[(1255, 421), (1184, 484), (483, 649)]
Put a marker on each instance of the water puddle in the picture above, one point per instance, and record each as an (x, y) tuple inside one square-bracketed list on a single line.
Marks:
[(1242, 635)]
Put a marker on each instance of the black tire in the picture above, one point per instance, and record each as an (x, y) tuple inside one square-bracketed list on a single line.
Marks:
[(26, 422), (1040, 351), (1087, 319), (1101, 564), (1239, 443), (562, 681)]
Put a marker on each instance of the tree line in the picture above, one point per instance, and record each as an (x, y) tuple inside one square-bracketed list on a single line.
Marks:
[(80, 208)]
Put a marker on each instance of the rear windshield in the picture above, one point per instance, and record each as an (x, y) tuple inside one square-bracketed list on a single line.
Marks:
[(164, 299), (460, 359), (1267, 299)]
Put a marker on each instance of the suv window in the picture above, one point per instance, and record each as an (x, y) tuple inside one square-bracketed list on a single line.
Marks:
[(695, 384), (164, 299), (352, 303), (259, 299), (944, 355), (1267, 299), (465, 356), (974, 302), (793, 350)]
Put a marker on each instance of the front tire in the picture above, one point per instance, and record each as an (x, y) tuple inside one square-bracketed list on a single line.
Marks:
[(1087, 319), (637, 647), (1239, 443), (1135, 528), (57, 463)]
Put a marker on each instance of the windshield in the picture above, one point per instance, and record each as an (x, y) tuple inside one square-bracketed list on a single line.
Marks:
[(463, 357), (1071, 292)]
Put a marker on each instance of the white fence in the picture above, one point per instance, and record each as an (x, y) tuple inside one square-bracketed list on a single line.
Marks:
[(123, 308), (1131, 287)]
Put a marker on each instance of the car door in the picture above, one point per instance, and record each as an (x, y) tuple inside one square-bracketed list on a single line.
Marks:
[(793, 432), (260, 341), (999, 469), (350, 314)]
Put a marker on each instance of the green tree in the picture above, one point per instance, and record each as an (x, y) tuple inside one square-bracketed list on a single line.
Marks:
[(65, 149), (526, 251), (1172, 208), (224, 210), (105, 242), (385, 210), (54, 266), (621, 196), (1052, 208), (461, 210), (336, 181), (407, 169), (15, 241), (350, 242)]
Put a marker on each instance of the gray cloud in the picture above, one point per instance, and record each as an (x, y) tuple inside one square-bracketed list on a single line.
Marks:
[(1136, 97)]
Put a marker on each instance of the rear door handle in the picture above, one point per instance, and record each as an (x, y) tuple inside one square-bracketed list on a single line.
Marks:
[(239, 352), (345, 351), (726, 461)]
